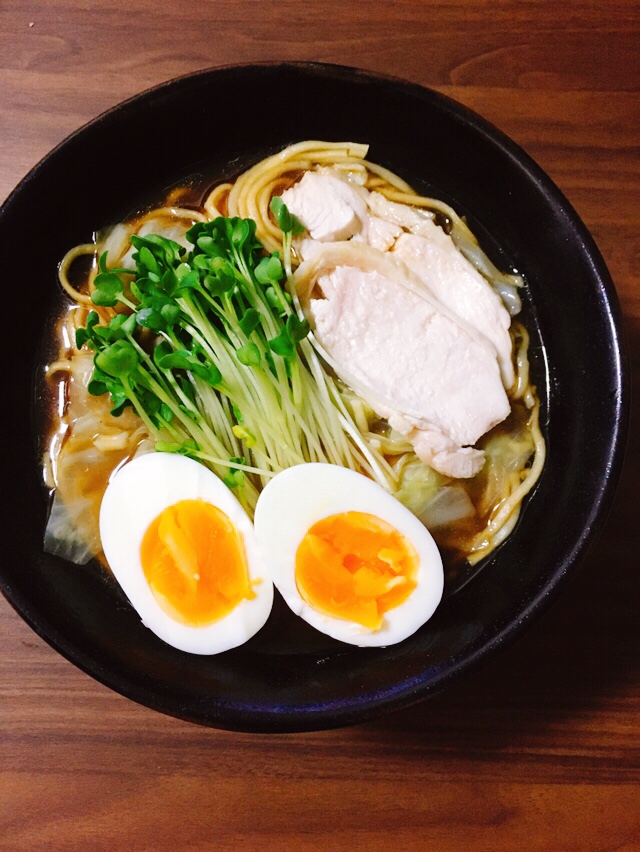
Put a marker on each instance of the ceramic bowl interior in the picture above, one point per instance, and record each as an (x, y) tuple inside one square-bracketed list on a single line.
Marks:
[(211, 125)]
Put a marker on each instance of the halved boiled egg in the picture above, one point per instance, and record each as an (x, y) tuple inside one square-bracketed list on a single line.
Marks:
[(346, 556), (184, 552)]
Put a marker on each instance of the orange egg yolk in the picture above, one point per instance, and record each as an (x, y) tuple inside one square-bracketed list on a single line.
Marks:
[(194, 561), (355, 566)]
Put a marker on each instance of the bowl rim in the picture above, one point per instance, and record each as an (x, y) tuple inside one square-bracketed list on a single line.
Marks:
[(337, 714)]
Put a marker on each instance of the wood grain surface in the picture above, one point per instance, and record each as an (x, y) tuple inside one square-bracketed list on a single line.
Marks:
[(540, 750)]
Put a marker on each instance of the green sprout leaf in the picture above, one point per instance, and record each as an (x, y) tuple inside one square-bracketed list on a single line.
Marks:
[(269, 270), (287, 222), (298, 329), (166, 413), (151, 319), (118, 360), (282, 344), (235, 478), (244, 435), (108, 287), (249, 355), (250, 321)]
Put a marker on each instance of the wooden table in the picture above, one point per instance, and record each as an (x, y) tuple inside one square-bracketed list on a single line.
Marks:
[(540, 750)]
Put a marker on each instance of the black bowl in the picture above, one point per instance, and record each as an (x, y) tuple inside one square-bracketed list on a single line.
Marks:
[(216, 122)]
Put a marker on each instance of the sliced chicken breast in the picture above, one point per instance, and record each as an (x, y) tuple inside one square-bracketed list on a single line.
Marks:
[(433, 257), (329, 207), (332, 208), (403, 352)]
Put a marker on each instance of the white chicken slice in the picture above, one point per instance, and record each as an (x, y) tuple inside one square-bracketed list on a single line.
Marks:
[(378, 233), (329, 207), (404, 352), (433, 257), (411, 218), (332, 208), (443, 455)]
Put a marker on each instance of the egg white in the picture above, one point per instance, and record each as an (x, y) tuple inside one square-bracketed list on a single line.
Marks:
[(298, 497), (135, 496)]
